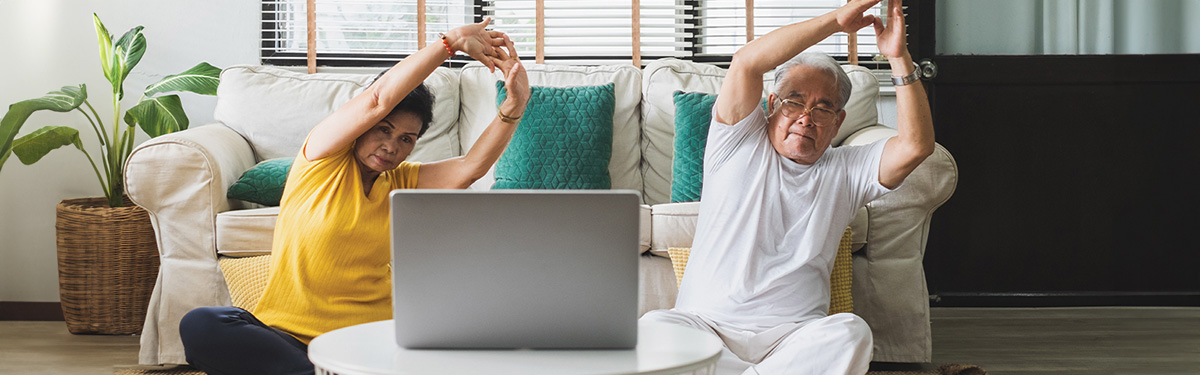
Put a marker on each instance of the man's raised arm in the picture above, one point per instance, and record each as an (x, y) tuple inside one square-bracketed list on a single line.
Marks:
[(903, 153), (742, 89)]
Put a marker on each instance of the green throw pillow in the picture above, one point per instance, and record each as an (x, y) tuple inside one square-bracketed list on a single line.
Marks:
[(693, 114), (262, 184), (564, 140)]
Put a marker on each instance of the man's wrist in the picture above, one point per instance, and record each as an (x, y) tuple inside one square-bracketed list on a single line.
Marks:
[(902, 65)]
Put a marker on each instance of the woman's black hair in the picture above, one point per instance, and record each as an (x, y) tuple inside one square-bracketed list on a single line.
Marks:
[(418, 102)]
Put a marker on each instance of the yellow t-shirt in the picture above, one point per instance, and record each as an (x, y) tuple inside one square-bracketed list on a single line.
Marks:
[(330, 256)]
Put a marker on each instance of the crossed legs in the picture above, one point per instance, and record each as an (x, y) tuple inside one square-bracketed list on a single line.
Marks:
[(837, 344), (231, 341)]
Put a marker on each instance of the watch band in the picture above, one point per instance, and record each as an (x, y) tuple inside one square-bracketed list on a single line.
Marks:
[(908, 79)]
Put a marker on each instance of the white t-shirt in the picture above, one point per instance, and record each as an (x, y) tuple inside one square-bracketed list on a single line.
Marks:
[(769, 228)]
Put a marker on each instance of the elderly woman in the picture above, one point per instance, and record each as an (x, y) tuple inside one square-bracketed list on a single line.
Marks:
[(330, 255)]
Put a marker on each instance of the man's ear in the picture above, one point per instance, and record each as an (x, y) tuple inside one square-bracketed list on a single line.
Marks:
[(841, 117), (770, 104)]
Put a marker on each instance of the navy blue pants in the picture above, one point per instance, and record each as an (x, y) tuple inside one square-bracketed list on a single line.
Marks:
[(231, 341)]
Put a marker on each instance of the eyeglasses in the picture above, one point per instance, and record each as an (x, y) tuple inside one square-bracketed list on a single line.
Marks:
[(817, 115)]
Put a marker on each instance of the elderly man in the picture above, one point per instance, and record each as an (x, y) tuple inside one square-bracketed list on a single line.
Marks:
[(776, 199)]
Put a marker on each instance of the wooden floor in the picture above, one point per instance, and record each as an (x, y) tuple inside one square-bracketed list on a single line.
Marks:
[(1094, 341)]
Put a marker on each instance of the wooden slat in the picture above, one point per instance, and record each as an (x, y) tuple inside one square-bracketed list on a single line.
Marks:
[(540, 54), (852, 46), (749, 21), (421, 24), (312, 36), (637, 33)]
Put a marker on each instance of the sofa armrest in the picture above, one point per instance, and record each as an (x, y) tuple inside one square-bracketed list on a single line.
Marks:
[(900, 219), (889, 284), (181, 180)]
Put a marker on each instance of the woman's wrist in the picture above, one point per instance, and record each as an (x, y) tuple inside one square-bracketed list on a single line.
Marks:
[(444, 43), (453, 39), (510, 110)]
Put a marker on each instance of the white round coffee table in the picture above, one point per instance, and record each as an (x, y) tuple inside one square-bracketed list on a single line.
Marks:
[(371, 349)]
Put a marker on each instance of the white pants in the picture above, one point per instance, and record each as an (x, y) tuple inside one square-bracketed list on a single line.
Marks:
[(836, 344)]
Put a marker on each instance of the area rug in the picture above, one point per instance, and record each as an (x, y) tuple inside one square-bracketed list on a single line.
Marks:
[(948, 369)]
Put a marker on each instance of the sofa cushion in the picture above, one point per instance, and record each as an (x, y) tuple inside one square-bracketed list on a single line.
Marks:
[(564, 140), (663, 77), (674, 225), (263, 183), (245, 233), (274, 109), (693, 114), (479, 109), (246, 278)]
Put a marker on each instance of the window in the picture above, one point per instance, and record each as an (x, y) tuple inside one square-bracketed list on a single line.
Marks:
[(380, 32), (355, 32)]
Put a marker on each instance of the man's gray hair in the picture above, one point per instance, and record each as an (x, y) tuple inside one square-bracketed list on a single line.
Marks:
[(819, 61)]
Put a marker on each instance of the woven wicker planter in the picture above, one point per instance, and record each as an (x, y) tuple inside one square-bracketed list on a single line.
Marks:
[(107, 264)]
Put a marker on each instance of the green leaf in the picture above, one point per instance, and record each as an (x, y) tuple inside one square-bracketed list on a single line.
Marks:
[(34, 146), (66, 99), (201, 79), (104, 39), (158, 115), (127, 52)]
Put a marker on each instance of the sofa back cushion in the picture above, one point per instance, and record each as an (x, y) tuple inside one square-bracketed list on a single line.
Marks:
[(662, 78), (564, 140), (274, 108), (479, 108)]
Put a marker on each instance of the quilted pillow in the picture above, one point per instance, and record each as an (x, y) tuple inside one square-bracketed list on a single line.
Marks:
[(246, 278), (693, 114), (564, 140), (262, 184)]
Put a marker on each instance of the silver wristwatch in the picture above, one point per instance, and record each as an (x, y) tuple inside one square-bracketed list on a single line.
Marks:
[(910, 78)]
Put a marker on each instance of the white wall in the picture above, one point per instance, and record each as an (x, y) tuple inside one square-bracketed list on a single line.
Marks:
[(48, 44)]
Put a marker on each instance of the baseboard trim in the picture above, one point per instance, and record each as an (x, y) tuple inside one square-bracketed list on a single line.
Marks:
[(1064, 299), (31, 311)]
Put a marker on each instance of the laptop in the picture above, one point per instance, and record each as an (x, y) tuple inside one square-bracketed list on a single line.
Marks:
[(511, 269)]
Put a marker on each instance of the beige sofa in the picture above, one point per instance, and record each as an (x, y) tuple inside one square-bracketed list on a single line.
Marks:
[(265, 112)]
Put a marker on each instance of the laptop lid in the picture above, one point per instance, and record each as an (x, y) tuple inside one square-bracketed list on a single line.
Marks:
[(515, 268)]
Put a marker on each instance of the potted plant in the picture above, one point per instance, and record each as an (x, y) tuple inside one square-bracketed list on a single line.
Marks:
[(108, 257)]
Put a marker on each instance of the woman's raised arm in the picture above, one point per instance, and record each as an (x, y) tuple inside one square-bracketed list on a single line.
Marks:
[(369, 107)]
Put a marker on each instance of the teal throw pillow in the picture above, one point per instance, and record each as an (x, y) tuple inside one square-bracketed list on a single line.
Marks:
[(262, 184), (564, 140), (693, 114)]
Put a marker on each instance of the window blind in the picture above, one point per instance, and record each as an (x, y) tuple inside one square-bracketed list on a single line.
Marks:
[(574, 31), (381, 32), (356, 32), (722, 25)]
